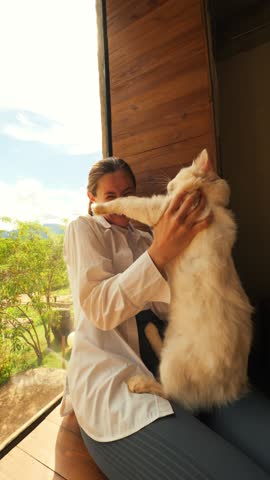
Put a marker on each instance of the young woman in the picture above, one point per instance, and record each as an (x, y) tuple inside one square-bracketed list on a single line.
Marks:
[(118, 283)]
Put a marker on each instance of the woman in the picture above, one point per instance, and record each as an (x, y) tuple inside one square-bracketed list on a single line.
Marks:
[(118, 283)]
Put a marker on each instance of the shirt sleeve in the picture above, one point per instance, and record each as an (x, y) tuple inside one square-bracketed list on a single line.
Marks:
[(161, 309), (108, 299)]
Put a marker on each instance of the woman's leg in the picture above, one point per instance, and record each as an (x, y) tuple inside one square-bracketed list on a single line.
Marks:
[(177, 447), (245, 424)]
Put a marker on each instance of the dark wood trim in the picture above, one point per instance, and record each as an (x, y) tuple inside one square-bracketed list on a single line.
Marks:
[(213, 82), (106, 81)]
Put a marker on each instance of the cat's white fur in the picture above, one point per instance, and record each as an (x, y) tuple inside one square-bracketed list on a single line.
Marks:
[(204, 357)]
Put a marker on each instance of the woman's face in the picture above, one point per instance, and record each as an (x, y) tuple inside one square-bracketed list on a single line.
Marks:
[(111, 186)]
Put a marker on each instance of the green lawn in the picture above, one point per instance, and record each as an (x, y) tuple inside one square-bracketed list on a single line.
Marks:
[(62, 291), (23, 360)]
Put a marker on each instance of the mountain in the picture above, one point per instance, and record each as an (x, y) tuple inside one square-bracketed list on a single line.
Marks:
[(55, 227)]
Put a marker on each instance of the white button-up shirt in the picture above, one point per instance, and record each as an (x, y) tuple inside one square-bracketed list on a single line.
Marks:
[(112, 278)]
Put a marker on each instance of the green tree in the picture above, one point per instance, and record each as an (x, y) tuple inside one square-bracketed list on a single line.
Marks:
[(31, 268)]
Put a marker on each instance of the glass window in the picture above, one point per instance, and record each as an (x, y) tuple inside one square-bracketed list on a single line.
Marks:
[(50, 135)]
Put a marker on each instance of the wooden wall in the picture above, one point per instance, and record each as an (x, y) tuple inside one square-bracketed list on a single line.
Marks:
[(245, 146), (161, 100)]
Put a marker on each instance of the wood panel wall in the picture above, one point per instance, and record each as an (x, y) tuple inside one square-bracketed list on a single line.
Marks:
[(161, 100)]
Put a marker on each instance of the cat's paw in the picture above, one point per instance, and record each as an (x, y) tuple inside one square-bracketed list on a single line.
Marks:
[(151, 331), (98, 208), (136, 384)]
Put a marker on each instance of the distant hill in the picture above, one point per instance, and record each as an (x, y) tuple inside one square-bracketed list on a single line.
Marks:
[(55, 227)]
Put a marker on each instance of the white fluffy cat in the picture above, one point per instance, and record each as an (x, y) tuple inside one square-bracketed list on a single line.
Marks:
[(204, 356)]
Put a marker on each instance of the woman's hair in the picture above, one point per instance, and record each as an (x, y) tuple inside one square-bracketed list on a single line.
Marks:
[(102, 167)]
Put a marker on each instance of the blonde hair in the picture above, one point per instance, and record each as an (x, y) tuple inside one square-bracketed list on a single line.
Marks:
[(102, 167)]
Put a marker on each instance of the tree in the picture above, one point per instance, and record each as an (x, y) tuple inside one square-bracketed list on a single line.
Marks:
[(31, 268)]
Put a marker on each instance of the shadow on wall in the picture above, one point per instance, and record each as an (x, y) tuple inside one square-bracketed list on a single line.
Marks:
[(244, 96)]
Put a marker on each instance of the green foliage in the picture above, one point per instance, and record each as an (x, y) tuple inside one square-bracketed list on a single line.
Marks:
[(5, 360), (53, 317), (32, 262), (15, 358), (31, 268), (53, 360)]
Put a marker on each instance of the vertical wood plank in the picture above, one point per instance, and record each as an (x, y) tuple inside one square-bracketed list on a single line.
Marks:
[(161, 94)]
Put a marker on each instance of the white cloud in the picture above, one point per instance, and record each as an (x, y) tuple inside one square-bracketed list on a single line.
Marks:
[(29, 200), (75, 138), (48, 53), (24, 120)]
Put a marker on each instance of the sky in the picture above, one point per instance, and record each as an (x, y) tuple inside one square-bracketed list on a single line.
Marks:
[(50, 127)]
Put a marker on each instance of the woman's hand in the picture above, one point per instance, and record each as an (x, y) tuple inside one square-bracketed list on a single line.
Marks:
[(177, 227)]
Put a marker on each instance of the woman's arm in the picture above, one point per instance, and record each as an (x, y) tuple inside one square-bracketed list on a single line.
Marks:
[(108, 299)]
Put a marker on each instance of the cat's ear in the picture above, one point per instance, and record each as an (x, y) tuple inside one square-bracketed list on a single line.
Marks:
[(202, 163)]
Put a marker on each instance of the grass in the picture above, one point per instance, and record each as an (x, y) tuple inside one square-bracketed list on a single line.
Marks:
[(62, 291), (26, 359)]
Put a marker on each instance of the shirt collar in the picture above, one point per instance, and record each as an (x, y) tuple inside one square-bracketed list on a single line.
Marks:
[(100, 219)]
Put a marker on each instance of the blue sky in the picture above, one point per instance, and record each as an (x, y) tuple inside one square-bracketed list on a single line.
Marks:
[(52, 165), (47, 164), (50, 127)]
